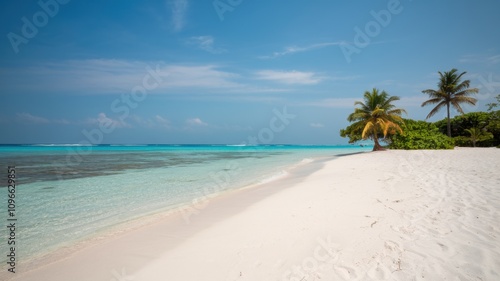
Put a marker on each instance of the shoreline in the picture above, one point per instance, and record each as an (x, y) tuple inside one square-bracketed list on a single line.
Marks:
[(384, 215), (170, 215)]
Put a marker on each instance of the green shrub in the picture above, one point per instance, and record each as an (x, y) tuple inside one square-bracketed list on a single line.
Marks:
[(420, 135), (462, 141), (487, 121)]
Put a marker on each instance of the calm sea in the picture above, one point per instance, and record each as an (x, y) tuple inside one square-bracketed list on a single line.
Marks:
[(69, 194)]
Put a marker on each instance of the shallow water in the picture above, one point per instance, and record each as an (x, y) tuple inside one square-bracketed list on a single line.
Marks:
[(66, 194)]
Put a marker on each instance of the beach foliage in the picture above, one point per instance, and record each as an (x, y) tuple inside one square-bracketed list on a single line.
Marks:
[(451, 92), (420, 135), (487, 122), (477, 134), (375, 118)]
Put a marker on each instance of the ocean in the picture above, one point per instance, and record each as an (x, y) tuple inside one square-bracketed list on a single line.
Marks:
[(68, 194)]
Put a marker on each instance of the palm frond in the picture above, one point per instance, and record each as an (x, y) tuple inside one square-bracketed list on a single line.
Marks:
[(432, 101), (467, 92), (434, 94), (436, 109), (368, 127), (396, 111), (465, 99), (457, 106), (462, 86)]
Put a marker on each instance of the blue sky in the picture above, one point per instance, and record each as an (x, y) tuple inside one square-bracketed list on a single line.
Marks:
[(229, 71)]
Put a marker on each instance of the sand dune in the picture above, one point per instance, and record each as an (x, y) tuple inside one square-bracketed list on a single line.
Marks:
[(393, 215)]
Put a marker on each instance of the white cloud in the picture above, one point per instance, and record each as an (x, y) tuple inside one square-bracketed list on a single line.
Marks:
[(26, 117), (494, 59), (107, 121), (317, 125), (490, 59), (199, 76), (105, 76), (179, 9), (295, 49), (163, 122), (196, 122), (206, 43), (29, 118), (141, 121), (156, 121), (289, 77), (102, 76)]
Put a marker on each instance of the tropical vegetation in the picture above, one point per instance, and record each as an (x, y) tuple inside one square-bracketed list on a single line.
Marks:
[(420, 135), (451, 92), (374, 119), (486, 122), (478, 135), (378, 119)]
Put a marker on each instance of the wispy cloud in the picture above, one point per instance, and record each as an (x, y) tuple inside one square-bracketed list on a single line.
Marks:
[(154, 122), (206, 43), (494, 59), (179, 9), (100, 76), (107, 121), (199, 76), (317, 125), (490, 59), (163, 122), (296, 49), (196, 122), (28, 118), (104, 76), (289, 77)]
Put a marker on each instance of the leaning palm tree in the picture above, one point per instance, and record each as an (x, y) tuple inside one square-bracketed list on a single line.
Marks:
[(451, 91), (376, 116)]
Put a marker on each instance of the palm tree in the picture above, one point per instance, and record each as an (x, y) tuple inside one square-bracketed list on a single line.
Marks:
[(451, 91), (376, 116), (477, 134)]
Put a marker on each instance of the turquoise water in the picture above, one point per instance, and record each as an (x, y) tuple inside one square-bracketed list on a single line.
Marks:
[(67, 194)]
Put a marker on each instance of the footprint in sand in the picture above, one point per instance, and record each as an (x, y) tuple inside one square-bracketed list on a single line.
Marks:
[(378, 272), (345, 272), (393, 246), (403, 232), (444, 248)]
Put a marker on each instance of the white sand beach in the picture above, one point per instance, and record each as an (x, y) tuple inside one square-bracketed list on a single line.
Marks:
[(391, 215)]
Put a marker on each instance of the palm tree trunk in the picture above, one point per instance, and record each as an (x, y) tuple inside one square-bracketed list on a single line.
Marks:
[(377, 145), (449, 122)]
